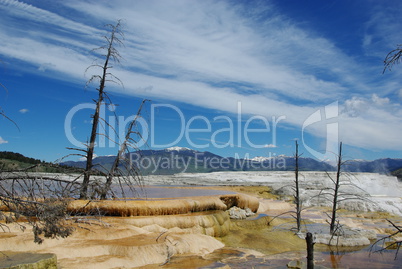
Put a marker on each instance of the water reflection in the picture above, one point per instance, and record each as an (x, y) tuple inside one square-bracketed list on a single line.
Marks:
[(361, 259), (245, 258)]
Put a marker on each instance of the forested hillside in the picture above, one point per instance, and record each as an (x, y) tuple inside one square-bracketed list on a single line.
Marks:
[(12, 161)]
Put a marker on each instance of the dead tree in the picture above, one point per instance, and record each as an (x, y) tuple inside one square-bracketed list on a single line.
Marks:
[(39, 202), (296, 214), (336, 191), (94, 187), (36, 201), (111, 55), (297, 200), (310, 250), (129, 172), (392, 58), (337, 194)]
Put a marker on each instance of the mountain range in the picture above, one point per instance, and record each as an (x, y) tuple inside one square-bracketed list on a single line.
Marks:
[(179, 159)]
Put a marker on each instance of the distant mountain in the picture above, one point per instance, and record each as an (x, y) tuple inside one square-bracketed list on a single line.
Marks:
[(382, 166), (178, 159)]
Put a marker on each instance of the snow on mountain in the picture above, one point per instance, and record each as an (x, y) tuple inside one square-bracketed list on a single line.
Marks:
[(179, 149), (266, 159), (261, 159), (205, 162)]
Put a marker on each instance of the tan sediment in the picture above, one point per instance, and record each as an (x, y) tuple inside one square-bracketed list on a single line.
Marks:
[(126, 208), (215, 224), (166, 227), (241, 200), (128, 242)]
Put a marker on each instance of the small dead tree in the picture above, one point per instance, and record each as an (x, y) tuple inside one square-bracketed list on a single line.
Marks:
[(296, 214), (336, 191), (297, 200), (129, 173), (111, 55), (39, 201), (342, 190), (392, 58)]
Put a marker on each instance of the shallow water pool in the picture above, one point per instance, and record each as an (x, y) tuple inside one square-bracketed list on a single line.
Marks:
[(155, 192)]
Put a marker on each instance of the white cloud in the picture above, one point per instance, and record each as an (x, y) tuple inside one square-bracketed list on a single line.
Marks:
[(270, 146), (378, 100), (2, 141), (24, 110), (353, 107), (30, 12)]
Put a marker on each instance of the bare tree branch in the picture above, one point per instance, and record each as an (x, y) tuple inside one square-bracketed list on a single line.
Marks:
[(392, 58), (396, 244)]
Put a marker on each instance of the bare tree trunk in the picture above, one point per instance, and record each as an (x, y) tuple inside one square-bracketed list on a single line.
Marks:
[(91, 146), (297, 193), (310, 251), (336, 190), (111, 54)]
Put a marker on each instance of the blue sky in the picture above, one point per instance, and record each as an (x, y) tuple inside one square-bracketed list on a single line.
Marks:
[(281, 69)]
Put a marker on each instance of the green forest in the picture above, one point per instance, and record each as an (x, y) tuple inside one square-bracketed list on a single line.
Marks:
[(12, 161)]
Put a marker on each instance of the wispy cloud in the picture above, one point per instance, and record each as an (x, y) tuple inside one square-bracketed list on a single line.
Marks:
[(24, 110), (214, 54)]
